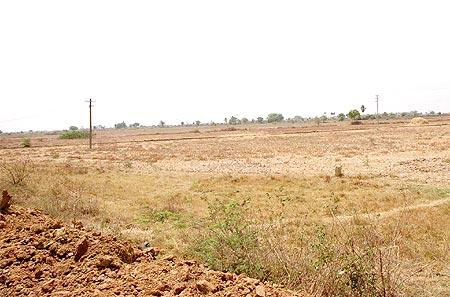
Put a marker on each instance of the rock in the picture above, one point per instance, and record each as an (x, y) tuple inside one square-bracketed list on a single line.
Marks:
[(49, 286), (127, 254), (338, 171), (82, 248), (60, 232), (169, 258), (179, 288), (260, 291), (5, 201), (205, 287), (146, 246), (106, 261)]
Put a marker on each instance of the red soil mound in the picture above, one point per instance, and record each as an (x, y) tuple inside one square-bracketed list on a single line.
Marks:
[(41, 257)]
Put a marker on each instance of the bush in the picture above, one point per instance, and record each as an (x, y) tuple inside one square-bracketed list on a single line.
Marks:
[(228, 244), (356, 123), (67, 198), (26, 142), (74, 134), (332, 260), (16, 172)]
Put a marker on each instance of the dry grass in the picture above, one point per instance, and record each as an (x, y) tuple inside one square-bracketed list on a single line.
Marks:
[(151, 188)]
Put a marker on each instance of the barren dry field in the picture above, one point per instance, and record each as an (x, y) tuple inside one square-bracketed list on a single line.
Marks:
[(261, 199)]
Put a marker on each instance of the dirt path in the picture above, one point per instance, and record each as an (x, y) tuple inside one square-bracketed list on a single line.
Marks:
[(391, 212), (373, 215)]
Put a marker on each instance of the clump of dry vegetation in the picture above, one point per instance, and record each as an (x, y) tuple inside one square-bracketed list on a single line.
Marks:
[(419, 121), (336, 260), (16, 172)]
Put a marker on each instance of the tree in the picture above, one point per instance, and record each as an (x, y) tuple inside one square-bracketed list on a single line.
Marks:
[(341, 117), (317, 121), (182, 124), (354, 114), (298, 119), (226, 121), (233, 120), (162, 124), (323, 118), (260, 120), (197, 123), (274, 117), (73, 128), (135, 125), (244, 121), (120, 125)]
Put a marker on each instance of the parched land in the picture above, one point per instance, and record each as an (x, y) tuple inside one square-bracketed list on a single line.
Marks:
[(261, 199)]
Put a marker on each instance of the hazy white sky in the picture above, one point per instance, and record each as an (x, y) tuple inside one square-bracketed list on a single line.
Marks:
[(175, 61)]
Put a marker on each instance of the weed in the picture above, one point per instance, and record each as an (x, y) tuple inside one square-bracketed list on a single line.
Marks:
[(17, 172), (164, 215), (26, 142)]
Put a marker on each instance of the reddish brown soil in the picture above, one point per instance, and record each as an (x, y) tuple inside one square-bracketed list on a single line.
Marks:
[(39, 256)]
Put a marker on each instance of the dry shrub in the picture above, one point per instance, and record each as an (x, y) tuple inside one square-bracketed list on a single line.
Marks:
[(356, 123), (16, 173), (419, 121), (334, 260), (67, 198)]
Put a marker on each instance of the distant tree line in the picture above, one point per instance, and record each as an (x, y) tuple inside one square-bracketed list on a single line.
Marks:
[(353, 115)]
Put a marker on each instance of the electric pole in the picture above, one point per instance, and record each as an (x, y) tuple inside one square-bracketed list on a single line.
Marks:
[(378, 117), (90, 123)]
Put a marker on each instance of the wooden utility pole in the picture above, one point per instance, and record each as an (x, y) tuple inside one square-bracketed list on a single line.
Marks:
[(90, 123)]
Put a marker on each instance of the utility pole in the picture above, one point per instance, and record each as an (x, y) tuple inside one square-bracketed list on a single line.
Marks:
[(90, 123), (378, 117)]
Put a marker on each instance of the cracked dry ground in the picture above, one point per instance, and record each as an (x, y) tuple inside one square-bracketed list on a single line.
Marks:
[(39, 256)]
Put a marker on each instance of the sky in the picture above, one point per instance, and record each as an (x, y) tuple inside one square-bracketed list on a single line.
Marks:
[(146, 61)]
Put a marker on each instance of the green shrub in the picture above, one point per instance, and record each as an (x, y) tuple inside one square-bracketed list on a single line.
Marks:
[(26, 142), (74, 134), (228, 243)]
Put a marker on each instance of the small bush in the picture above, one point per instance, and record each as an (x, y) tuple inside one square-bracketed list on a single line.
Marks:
[(228, 244), (164, 215), (74, 134), (356, 123), (26, 142), (68, 198), (16, 172)]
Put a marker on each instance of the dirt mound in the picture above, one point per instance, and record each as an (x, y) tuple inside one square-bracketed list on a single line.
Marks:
[(419, 121), (40, 256)]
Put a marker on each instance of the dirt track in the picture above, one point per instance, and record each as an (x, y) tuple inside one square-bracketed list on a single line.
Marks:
[(375, 215), (41, 257)]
